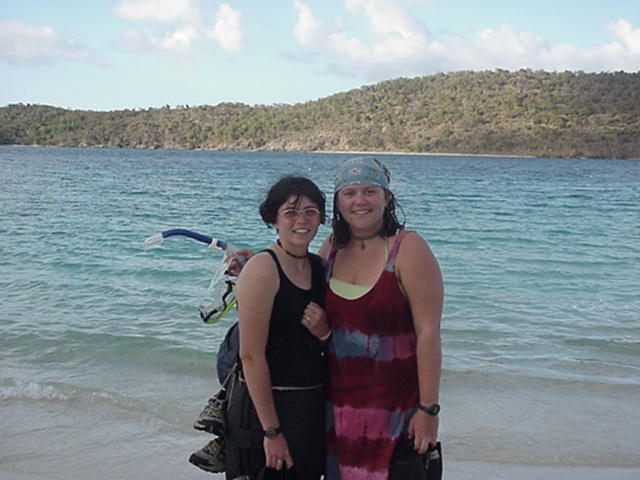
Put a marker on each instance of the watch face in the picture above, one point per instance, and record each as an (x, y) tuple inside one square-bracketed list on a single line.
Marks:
[(432, 410), (271, 432)]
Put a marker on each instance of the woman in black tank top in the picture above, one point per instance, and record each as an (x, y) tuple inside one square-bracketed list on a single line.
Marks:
[(275, 419)]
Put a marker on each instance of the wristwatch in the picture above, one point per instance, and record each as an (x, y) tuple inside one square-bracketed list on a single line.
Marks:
[(432, 410), (272, 432)]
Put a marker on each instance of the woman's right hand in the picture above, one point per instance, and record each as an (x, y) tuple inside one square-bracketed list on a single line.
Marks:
[(276, 452), (314, 318)]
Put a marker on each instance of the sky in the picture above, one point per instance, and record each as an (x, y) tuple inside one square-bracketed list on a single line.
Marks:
[(136, 54)]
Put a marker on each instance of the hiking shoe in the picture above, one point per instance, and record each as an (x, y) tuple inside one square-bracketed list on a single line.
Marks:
[(211, 419), (210, 458)]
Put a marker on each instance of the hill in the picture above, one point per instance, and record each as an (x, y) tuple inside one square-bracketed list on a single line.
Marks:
[(537, 113)]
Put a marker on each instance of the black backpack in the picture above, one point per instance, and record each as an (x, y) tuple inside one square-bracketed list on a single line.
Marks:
[(228, 352)]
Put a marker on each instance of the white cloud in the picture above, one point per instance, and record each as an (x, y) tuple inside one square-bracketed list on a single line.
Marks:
[(398, 37), (227, 30), (629, 36), (508, 42), (174, 26), (500, 48), (164, 11), (307, 30), (388, 17), (176, 41), (20, 43), (399, 44), (180, 40)]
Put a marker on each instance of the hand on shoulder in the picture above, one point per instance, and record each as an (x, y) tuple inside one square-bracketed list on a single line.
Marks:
[(325, 249)]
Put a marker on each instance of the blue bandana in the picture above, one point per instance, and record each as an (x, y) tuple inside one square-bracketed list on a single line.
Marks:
[(365, 171)]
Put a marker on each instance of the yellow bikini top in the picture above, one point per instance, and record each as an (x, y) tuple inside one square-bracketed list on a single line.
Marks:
[(346, 290), (351, 291)]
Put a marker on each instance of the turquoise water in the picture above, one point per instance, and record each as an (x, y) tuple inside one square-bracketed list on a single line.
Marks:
[(541, 330)]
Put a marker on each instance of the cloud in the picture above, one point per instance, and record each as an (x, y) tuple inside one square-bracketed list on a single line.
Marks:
[(20, 43), (177, 41), (227, 30), (397, 37), (307, 30), (388, 17), (397, 43), (163, 11), (626, 34), (180, 40), (174, 26)]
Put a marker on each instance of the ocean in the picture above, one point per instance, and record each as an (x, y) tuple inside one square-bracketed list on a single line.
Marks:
[(105, 363)]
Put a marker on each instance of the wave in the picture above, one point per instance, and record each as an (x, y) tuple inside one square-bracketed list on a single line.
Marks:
[(161, 408), (26, 390)]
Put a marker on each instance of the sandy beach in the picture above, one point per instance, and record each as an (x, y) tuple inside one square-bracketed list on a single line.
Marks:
[(454, 470), (113, 448)]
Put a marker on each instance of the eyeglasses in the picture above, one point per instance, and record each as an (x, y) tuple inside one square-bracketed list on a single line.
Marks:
[(292, 213)]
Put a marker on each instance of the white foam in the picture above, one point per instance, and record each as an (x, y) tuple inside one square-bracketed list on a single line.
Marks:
[(22, 390)]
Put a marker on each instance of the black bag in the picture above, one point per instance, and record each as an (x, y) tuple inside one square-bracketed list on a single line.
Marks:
[(407, 464)]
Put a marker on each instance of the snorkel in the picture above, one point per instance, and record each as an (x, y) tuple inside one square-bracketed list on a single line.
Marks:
[(213, 243), (222, 286)]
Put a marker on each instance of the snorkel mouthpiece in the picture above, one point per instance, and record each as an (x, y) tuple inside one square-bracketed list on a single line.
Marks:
[(153, 241)]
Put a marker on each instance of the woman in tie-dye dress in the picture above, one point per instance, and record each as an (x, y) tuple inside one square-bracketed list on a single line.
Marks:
[(384, 304)]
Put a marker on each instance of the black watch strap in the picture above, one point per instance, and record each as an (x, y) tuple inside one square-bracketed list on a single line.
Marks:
[(432, 410), (272, 432)]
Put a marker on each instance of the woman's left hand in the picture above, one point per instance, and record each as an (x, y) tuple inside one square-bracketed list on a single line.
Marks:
[(234, 266), (423, 428), (315, 320)]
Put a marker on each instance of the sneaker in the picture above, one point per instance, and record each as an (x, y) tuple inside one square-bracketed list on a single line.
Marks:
[(211, 419), (210, 458)]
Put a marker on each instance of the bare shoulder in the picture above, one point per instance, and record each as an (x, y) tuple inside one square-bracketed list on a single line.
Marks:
[(258, 269), (413, 244), (415, 253), (418, 271)]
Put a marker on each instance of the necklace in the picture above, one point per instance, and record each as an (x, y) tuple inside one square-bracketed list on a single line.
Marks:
[(291, 254), (362, 239)]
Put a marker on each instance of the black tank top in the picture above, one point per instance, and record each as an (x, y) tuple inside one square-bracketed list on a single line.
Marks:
[(294, 355)]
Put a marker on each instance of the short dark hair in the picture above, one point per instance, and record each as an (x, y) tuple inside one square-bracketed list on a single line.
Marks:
[(390, 223), (283, 189)]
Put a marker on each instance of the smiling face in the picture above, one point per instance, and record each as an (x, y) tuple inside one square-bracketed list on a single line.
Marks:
[(297, 221), (362, 207)]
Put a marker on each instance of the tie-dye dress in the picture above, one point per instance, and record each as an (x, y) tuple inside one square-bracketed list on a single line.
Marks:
[(373, 382)]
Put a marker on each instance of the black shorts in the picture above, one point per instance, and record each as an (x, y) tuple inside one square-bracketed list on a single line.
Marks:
[(301, 415)]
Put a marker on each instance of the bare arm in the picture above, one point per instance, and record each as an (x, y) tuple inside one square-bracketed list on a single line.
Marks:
[(420, 276), (257, 286)]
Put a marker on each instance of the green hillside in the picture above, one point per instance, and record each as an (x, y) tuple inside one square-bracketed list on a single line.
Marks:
[(569, 114)]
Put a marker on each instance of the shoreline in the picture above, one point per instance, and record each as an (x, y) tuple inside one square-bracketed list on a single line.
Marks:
[(433, 154), (331, 152)]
